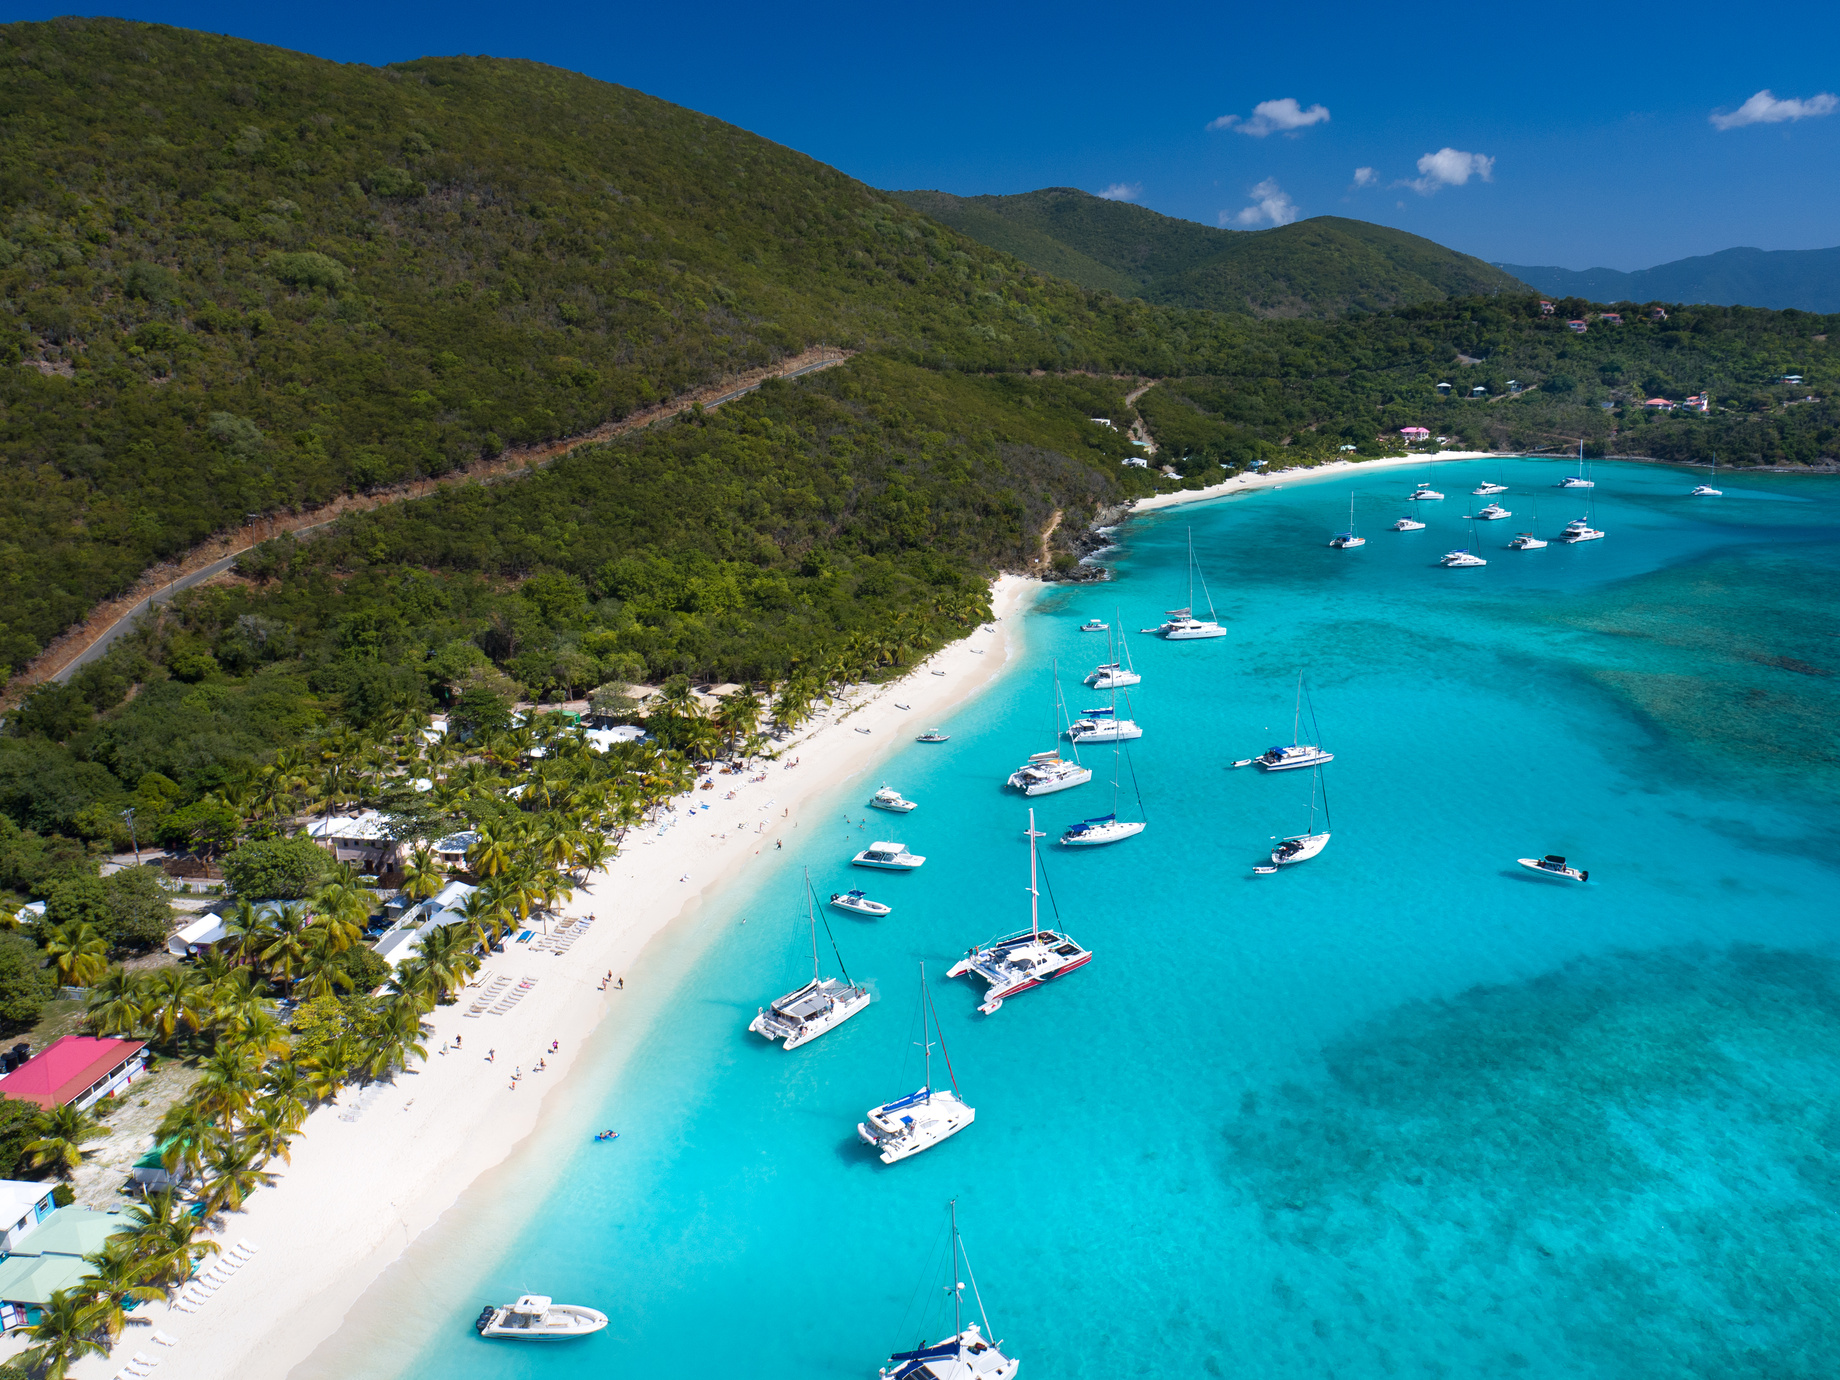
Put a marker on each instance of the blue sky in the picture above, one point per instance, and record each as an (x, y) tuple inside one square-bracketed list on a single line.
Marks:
[(1573, 134)]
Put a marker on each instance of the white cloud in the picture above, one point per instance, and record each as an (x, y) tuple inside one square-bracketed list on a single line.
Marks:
[(1122, 191), (1365, 177), (1765, 109), (1280, 117), (1270, 203), (1450, 168)]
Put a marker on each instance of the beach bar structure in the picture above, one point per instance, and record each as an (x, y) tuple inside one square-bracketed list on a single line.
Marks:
[(50, 1257), (76, 1071)]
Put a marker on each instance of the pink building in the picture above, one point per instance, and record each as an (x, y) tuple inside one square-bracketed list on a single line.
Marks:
[(1415, 433), (78, 1069)]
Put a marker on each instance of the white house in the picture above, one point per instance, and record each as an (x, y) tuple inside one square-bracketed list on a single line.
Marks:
[(1136, 462), (1105, 422), (23, 1205), (604, 738), (362, 839), (193, 939), (452, 850), (443, 908)]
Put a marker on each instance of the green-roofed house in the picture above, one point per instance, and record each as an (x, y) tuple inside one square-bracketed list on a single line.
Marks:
[(51, 1258), (151, 1173)]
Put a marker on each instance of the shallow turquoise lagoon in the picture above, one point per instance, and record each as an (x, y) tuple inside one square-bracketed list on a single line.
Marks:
[(1404, 1110)]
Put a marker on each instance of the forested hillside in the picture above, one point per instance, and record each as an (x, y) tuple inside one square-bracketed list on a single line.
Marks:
[(1324, 266)]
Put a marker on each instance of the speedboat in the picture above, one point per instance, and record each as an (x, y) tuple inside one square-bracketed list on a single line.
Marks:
[(1290, 758), (1027, 958), (1182, 625), (1047, 772), (1454, 559), (1095, 625), (933, 735), (1493, 512), (1552, 865), (822, 1004), (1424, 491), (1706, 491), (1406, 524), (534, 1318), (1111, 674), (890, 857), (1102, 726), (888, 798), (1299, 848), (1090, 833), (1488, 486), (857, 903), (1580, 529), (967, 1354), (1525, 541), (922, 1119)]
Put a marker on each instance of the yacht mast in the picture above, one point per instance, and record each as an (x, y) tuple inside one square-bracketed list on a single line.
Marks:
[(811, 914), (958, 1289), (1034, 892)]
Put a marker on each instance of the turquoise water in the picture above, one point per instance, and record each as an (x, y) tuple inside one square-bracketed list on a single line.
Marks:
[(1404, 1110)]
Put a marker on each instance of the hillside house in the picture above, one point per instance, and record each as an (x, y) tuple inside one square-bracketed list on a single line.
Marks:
[(1657, 313), (1614, 318), (1546, 309), (1415, 433), (451, 851), (1514, 385), (1443, 388), (1136, 462), (76, 1070), (362, 840), (1699, 402), (1791, 378), (1577, 327), (405, 939), (1105, 422), (1659, 405), (1479, 392)]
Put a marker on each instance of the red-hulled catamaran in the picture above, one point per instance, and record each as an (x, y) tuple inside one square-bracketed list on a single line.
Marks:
[(1027, 959)]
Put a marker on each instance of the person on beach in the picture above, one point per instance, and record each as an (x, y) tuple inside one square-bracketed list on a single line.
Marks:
[(620, 986), (490, 1053)]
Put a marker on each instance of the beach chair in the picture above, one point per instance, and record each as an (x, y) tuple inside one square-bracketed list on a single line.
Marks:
[(248, 1246), (164, 1340)]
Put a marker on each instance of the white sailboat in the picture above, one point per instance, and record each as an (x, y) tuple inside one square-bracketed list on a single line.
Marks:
[(1526, 541), (1113, 673), (1183, 626), (1103, 725), (922, 1119), (1578, 481), (1408, 524), (1347, 541), (821, 1005), (1462, 556), (1047, 772), (1298, 848), (1089, 833), (1298, 754), (968, 1354), (1580, 529), (1026, 959), (1706, 490)]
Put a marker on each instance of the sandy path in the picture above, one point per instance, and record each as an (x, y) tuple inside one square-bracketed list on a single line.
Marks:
[(375, 1170)]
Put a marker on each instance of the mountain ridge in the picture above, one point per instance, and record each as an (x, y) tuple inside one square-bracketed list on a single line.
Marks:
[(1780, 279)]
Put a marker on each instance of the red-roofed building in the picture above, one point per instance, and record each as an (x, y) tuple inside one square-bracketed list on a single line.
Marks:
[(1415, 433), (76, 1070), (1578, 326), (1660, 404)]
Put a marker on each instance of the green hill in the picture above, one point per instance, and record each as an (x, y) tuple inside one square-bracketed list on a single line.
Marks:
[(1324, 266)]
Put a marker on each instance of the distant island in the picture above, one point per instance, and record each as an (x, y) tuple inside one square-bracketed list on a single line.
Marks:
[(1806, 279)]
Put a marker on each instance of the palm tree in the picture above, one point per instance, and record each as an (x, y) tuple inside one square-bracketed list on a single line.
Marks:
[(490, 854), (484, 917), (422, 874), (447, 953), (594, 854), (61, 1132), (234, 1175), (174, 999), (414, 985), (286, 950), (245, 929), (118, 1279), (253, 1031), (183, 1133), (345, 904), (161, 1233), (115, 1003), (286, 1087), (400, 1040), (80, 955), (230, 1079), (267, 1129), (69, 1328)]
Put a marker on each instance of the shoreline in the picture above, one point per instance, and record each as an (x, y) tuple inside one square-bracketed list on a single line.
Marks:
[(1248, 483), (374, 1171)]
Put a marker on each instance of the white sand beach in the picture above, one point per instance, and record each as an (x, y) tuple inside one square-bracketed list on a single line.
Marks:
[(1330, 469), (375, 1170)]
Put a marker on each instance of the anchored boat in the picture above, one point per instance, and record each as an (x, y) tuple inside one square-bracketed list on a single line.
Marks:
[(919, 1121), (1302, 847), (1183, 626), (967, 1354), (890, 857), (1047, 772), (857, 903), (1017, 962), (535, 1318), (1552, 865), (821, 1005), (888, 798)]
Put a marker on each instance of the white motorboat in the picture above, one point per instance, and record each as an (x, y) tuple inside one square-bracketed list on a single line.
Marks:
[(857, 903), (534, 1318), (890, 857), (922, 1119), (1406, 524), (1026, 959), (1580, 529), (821, 1005), (1047, 772), (1111, 674), (1182, 625), (1095, 625), (1525, 541), (1578, 481), (1487, 487), (933, 735), (1347, 541), (1492, 512), (1102, 726), (1302, 847), (888, 798), (1552, 865), (1423, 491), (967, 1354), (1455, 559)]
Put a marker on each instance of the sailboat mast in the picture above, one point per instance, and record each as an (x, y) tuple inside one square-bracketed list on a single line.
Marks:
[(958, 1323), (1034, 891), (926, 1045), (811, 914), (1191, 572), (1297, 713)]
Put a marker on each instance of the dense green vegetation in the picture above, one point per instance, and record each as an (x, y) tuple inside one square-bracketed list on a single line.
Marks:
[(1300, 391), (1320, 267), (235, 279)]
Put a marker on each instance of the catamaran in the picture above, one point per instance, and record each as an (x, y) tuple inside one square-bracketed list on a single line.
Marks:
[(888, 798), (1111, 673), (1346, 541), (1493, 512), (1408, 524), (1580, 529), (1183, 626), (967, 1354), (1301, 847), (1103, 725), (1027, 958), (822, 1004), (1047, 772), (1578, 481), (1706, 490), (1526, 541), (536, 1318), (922, 1119), (1298, 754)]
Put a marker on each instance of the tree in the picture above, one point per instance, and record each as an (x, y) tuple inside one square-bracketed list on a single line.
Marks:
[(277, 869), (26, 984), (69, 1328), (77, 953), (479, 712), (614, 700), (175, 1001), (115, 1003), (140, 912), (117, 1280), (162, 1234), (422, 874), (61, 1133), (232, 1175)]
